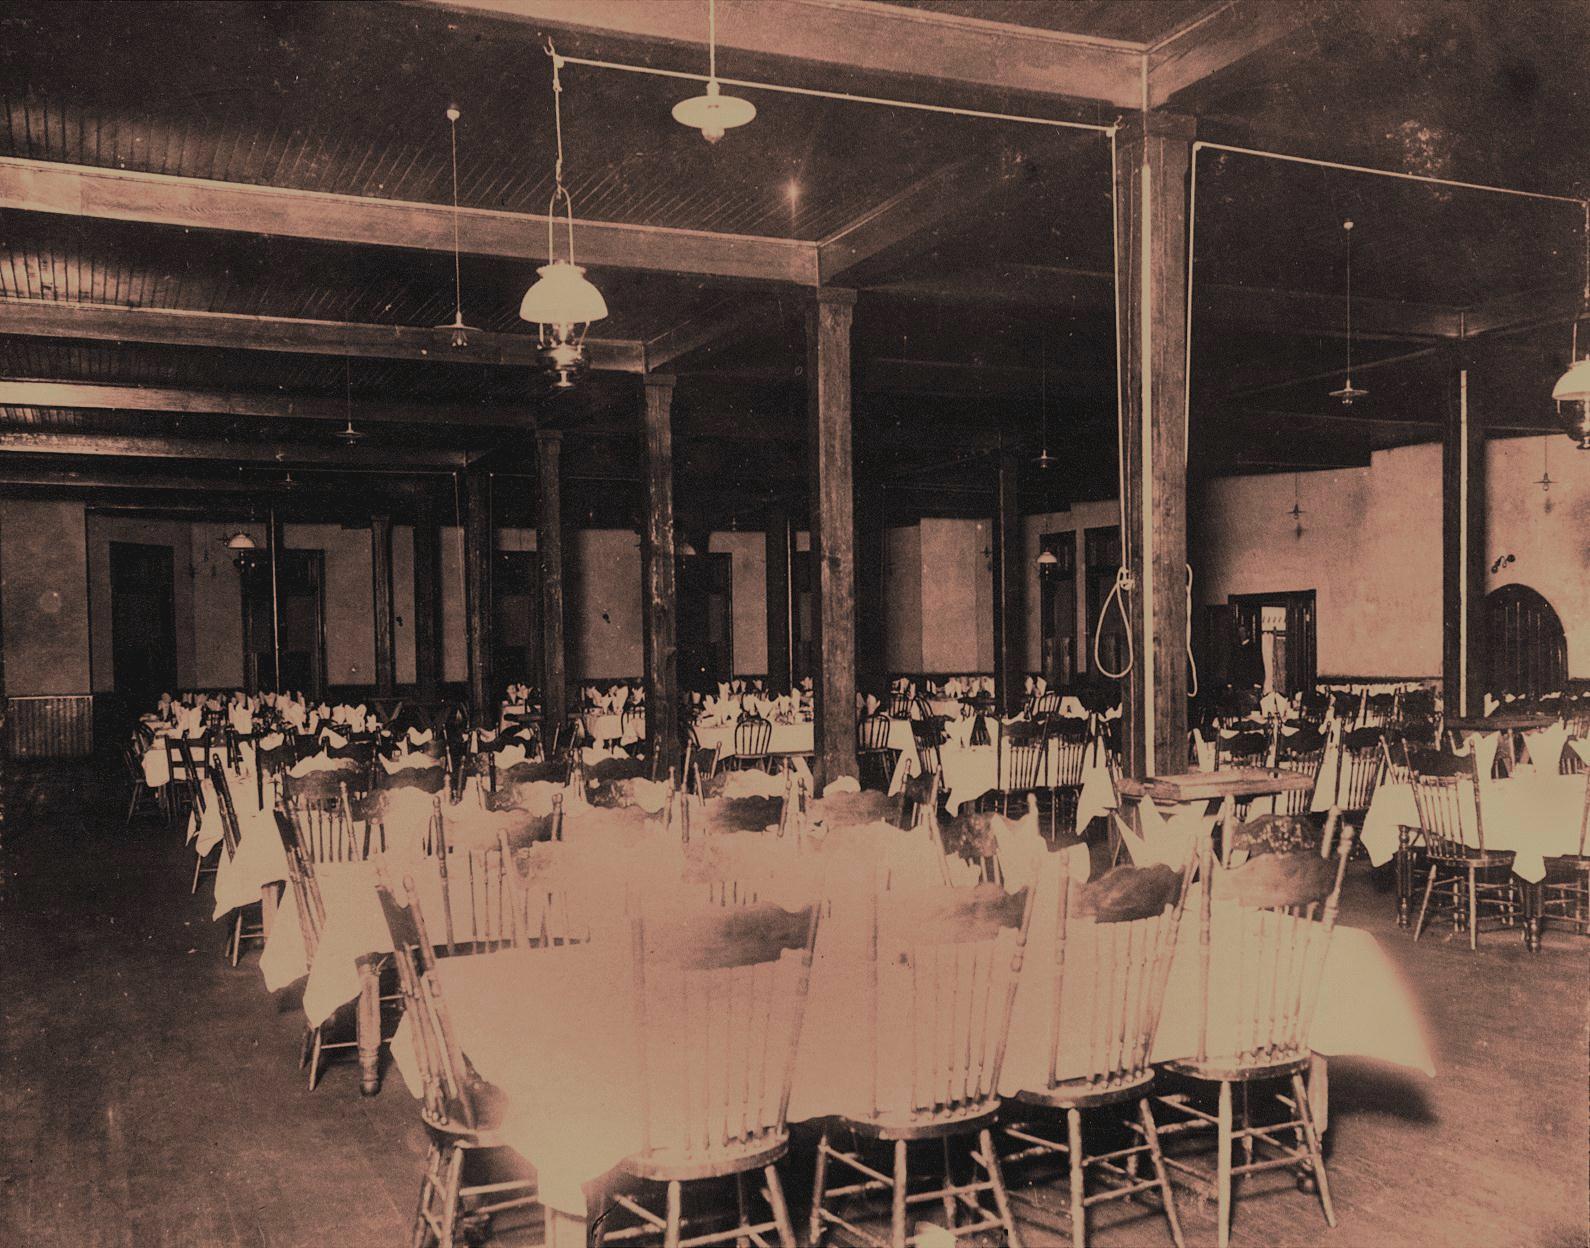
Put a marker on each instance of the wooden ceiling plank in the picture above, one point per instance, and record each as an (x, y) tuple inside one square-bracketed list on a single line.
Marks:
[(1226, 37), (32, 392), (861, 37), (714, 325), (284, 455), (172, 327), (197, 203), (1525, 310)]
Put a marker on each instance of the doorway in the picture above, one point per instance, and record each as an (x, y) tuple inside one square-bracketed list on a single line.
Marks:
[(706, 620), (301, 581), (1057, 587), (143, 623), (516, 641), (1526, 651), (1280, 628)]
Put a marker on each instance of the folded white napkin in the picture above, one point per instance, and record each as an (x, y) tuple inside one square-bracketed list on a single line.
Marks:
[(421, 738), (316, 762), (1490, 704), (1545, 747), (1164, 840), (335, 740), (1483, 746), (1582, 749)]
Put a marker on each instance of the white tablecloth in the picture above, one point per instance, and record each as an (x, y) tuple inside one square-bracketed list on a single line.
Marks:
[(1534, 816), (605, 726), (553, 1029), (967, 772), (260, 859), (793, 738)]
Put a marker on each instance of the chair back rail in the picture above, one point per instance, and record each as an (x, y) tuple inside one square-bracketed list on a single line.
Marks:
[(1447, 796), (955, 956), (318, 805), (1361, 761), (753, 735), (872, 733), (718, 1013), (1129, 917), (1277, 912), (231, 832)]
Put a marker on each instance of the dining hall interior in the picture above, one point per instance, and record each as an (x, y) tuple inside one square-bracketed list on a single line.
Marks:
[(794, 622)]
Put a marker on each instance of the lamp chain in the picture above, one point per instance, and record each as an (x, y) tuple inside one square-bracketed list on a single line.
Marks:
[(712, 39), (558, 189), (458, 275)]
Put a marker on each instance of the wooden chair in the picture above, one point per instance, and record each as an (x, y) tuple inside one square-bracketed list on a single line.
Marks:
[(1066, 746), (1260, 970), (944, 952), (1464, 877), (1022, 769), (1303, 752), (187, 759), (542, 914), (900, 706), (1565, 894), (1046, 704), (876, 759), (1362, 759), (141, 796), (1114, 940), (231, 838), (928, 734), (711, 1108), (461, 1111), (752, 737), (311, 919), (318, 803)]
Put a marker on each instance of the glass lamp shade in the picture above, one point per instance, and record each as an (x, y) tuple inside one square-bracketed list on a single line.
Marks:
[(241, 541), (1573, 392), (562, 297), (1048, 559), (714, 112)]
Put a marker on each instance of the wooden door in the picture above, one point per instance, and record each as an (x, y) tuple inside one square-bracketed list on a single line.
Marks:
[(143, 624), (1526, 651), (516, 640), (706, 620)]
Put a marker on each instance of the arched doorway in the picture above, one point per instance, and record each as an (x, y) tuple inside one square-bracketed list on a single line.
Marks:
[(1525, 649)]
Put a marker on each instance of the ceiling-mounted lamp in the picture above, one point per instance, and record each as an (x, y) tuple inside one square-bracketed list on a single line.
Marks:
[(686, 550), (348, 433), (460, 331), (1349, 392), (1044, 460), (713, 113), (241, 541), (1047, 559), (1572, 391), (562, 302)]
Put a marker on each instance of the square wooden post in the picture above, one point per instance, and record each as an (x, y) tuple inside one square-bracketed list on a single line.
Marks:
[(549, 551), (659, 588), (829, 459), (427, 578), (780, 642), (1463, 546), (477, 593), (1153, 160), (1010, 589), (381, 598)]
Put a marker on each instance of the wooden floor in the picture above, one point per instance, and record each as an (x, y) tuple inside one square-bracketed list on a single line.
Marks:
[(150, 1094)]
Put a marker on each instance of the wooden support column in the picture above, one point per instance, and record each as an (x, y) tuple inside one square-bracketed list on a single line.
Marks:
[(427, 579), (381, 598), (477, 592), (549, 550), (871, 672), (780, 642), (828, 460), (1153, 156), (275, 544), (1463, 546), (1010, 586), (659, 583)]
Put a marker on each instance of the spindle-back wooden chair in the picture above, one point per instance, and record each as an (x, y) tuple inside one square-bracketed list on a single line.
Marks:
[(319, 806), (712, 1107), (245, 925), (1264, 932), (955, 956), (187, 787), (1022, 765), (1303, 752), (876, 759), (1067, 744), (1113, 944), (461, 1111), (1465, 879), (928, 735), (1565, 894), (141, 794), (753, 735), (543, 914)]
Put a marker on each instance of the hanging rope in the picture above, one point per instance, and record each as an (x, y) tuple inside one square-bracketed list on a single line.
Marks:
[(558, 189), (1123, 574), (1192, 663), (458, 273)]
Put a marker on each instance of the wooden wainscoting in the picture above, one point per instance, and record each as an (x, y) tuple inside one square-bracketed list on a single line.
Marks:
[(50, 726)]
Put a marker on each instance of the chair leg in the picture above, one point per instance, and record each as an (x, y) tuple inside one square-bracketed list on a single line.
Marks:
[(671, 1232), (237, 936), (774, 1191), (743, 1208), (814, 1228), (1223, 1172), (949, 1181), (1151, 1131), (1079, 1208), (131, 807), (304, 1046), (314, 1060), (996, 1179), (1315, 1155), (450, 1197), (198, 866), (1429, 887), (897, 1216), (1474, 912)]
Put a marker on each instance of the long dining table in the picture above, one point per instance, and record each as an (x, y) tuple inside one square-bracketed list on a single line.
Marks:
[(551, 1027)]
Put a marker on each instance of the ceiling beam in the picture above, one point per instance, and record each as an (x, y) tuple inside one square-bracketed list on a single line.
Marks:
[(1217, 41), (712, 325), (41, 318), (203, 204), (398, 459), (860, 37), (1077, 290), (910, 220), (1525, 310), (97, 397)]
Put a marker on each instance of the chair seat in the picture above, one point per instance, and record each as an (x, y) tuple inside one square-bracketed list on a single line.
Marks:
[(1231, 1069), (670, 1165), (491, 1107), (1569, 862), (1474, 858), (1085, 1094), (933, 1128)]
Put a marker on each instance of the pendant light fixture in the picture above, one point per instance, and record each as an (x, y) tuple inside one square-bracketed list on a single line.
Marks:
[(460, 331), (562, 302), (1545, 482), (1572, 391), (1044, 460), (348, 433), (1296, 512), (714, 112), (1349, 392)]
